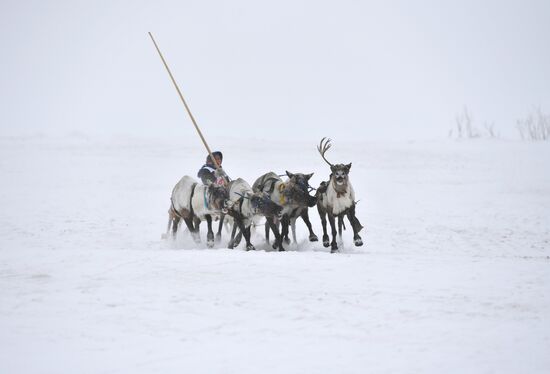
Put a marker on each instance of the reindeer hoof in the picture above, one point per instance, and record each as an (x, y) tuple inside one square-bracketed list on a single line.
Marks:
[(358, 242), (313, 238), (334, 250), (333, 247), (282, 249), (250, 247), (210, 244), (218, 238), (287, 241), (326, 241), (230, 245)]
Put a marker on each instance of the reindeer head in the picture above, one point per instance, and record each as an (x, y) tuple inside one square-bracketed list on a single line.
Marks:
[(262, 204), (339, 172), (297, 188), (299, 180), (218, 196)]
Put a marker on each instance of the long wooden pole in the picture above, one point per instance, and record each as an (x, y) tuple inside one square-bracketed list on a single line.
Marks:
[(185, 103)]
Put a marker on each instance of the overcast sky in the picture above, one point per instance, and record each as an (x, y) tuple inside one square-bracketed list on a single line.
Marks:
[(346, 69)]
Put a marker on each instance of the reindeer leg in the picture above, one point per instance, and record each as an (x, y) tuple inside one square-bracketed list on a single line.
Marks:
[(271, 225), (356, 225), (278, 238), (239, 235), (305, 217), (248, 229), (266, 231), (243, 231), (175, 224), (192, 229), (269, 228), (238, 238), (210, 233), (169, 226), (293, 227), (341, 227), (231, 243), (333, 243), (285, 223), (219, 233), (196, 233), (323, 215), (249, 246)]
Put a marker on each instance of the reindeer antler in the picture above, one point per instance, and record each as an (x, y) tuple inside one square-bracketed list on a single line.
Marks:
[(323, 147)]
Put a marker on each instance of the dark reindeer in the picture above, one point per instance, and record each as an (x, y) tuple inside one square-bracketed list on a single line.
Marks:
[(303, 201), (244, 206), (293, 196), (193, 202), (336, 199)]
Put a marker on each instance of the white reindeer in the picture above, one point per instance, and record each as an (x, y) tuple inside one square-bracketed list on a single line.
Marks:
[(193, 202), (336, 199)]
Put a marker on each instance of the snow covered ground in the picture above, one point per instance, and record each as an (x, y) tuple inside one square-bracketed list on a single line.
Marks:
[(454, 276)]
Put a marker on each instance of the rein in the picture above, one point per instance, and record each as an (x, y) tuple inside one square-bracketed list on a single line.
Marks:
[(241, 202), (242, 196), (265, 182)]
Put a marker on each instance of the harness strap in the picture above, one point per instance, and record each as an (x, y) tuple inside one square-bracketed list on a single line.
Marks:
[(174, 210), (241, 202), (265, 182), (191, 199), (205, 202), (273, 180)]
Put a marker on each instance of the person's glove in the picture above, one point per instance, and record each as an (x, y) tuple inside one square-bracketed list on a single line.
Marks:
[(220, 173)]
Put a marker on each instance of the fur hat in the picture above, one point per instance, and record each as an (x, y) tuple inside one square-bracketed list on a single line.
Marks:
[(217, 153)]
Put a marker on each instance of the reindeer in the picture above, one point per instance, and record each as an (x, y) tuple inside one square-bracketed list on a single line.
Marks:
[(301, 182), (193, 202), (336, 198), (245, 205), (293, 196)]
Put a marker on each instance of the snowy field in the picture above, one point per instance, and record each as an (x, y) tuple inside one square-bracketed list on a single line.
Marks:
[(454, 276)]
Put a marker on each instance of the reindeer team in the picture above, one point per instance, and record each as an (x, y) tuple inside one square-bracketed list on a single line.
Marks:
[(280, 202)]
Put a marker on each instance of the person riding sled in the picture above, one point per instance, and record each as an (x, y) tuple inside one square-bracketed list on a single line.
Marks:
[(208, 172)]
